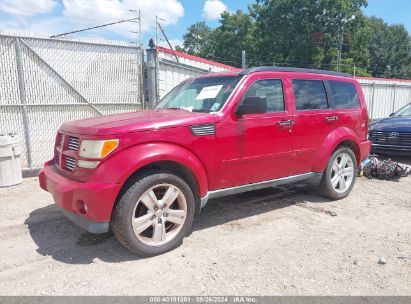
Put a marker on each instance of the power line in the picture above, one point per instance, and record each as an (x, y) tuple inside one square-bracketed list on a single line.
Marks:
[(95, 27)]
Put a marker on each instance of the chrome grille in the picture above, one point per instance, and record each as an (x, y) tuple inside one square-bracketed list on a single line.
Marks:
[(61, 139), (73, 143), (391, 138), (58, 156), (203, 130), (69, 163), (59, 144)]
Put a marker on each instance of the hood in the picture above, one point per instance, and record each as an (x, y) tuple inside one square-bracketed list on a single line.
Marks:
[(393, 124), (135, 121)]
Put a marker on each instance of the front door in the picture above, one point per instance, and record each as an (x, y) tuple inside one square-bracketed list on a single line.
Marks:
[(255, 147)]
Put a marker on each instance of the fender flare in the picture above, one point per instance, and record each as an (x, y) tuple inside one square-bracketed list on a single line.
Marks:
[(138, 156), (335, 138)]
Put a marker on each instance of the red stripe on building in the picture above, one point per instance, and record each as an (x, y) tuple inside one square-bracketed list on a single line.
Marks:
[(196, 58)]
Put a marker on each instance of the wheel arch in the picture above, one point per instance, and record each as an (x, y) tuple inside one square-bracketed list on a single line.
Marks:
[(132, 163), (341, 137)]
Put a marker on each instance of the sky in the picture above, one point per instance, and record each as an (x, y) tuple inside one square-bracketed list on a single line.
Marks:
[(59, 16)]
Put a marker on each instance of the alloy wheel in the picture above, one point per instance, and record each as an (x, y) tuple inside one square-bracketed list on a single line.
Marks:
[(342, 173), (159, 214)]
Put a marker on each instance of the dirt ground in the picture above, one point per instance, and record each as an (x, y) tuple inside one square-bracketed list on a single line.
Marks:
[(280, 241)]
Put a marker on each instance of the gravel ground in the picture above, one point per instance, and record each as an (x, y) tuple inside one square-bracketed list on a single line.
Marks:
[(279, 241)]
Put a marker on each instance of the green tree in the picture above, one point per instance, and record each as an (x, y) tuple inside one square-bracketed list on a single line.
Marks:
[(389, 46), (196, 38), (236, 33), (225, 43), (307, 32)]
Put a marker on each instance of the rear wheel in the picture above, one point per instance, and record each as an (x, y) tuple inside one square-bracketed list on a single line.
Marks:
[(154, 215), (339, 175)]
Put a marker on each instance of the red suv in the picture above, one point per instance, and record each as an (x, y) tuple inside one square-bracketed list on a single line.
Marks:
[(146, 174)]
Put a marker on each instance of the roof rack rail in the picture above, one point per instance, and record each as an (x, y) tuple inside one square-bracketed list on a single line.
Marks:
[(286, 69)]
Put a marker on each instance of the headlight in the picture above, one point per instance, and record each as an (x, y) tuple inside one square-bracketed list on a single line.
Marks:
[(97, 148)]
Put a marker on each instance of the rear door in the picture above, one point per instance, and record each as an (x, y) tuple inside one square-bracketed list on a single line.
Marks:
[(344, 99), (314, 119)]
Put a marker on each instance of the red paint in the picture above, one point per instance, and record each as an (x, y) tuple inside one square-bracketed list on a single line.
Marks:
[(99, 197), (196, 58), (244, 150)]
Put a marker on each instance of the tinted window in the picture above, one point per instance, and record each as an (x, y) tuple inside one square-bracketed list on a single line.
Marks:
[(344, 95), (271, 90), (309, 94)]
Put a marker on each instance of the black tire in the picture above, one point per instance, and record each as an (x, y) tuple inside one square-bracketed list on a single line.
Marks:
[(325, 188), (123, 211)]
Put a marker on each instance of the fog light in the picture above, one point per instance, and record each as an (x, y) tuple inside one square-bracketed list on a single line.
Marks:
[(82, 207), (87, 164)]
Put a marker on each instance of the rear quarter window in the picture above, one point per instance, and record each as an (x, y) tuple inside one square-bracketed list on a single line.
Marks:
[(344, 95), (309, 95)]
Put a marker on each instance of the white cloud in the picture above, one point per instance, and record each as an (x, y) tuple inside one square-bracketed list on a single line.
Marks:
[(93, 12), (173, 43), (26, 8), (78, 14), (213, 9)]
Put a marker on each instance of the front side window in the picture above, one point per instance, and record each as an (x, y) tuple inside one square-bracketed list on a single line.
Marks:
[(309, 95), (271, 90), (206, 94), (344, 95)]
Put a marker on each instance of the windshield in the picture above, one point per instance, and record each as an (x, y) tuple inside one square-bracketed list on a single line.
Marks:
[(206, 94), (405, 111)]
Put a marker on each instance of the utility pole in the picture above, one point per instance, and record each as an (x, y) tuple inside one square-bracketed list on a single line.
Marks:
[(344, 21), (243, 59), (340, 50), (156, 30), (140, 59)]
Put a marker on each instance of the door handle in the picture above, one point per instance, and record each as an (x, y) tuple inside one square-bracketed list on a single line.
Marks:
[(331, 118), (285, 122)]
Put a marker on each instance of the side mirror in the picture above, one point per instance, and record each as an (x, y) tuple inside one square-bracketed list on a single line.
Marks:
[(392, 114), (252, 105)]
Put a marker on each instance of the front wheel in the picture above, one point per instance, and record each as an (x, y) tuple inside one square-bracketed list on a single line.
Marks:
[(339, 175), (154, 215)]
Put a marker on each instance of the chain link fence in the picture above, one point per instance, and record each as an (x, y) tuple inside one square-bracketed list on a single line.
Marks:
[(46, 82)]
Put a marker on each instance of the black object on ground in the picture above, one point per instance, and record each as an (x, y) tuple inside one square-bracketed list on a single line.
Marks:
[(384, 169)]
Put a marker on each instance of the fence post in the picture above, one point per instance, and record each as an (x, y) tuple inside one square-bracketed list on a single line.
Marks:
[(372, 101), (152, 70), (23, 100), (394, 93), (141, 77)]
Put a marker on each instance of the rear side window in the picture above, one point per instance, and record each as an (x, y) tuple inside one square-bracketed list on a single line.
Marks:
[(271, 90), (344, 95), (309, 95)]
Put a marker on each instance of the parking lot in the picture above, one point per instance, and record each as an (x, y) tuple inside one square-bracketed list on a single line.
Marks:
[(279, 241)]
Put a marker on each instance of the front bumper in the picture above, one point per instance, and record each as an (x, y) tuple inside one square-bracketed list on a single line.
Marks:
[(395, 149), (71, 195)]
